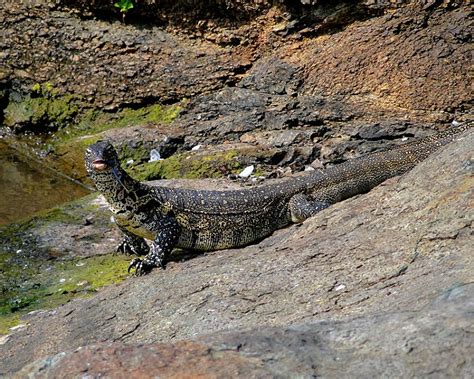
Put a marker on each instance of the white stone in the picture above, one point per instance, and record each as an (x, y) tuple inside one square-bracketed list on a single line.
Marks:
[(154, 156), (247, 171)]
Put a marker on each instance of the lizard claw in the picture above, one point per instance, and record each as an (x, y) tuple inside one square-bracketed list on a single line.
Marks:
[(141, 267), (129, 248), (124, 248)]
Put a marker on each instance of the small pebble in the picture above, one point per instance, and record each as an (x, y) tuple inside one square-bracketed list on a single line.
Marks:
[(154, 156), (247, 171)]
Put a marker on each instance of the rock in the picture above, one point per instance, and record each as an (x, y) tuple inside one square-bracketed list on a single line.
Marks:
[(375, 286), (270, 84), (377, 345), (247, 171), (391, 295), (107, 65), (395, 69)]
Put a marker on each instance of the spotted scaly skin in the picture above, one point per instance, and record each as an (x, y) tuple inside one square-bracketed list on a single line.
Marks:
[(212, 220)]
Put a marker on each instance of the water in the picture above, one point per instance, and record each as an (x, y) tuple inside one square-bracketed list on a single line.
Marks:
[(26, 187)]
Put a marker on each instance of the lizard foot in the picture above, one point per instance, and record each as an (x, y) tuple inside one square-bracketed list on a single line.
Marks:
[(142, 267)]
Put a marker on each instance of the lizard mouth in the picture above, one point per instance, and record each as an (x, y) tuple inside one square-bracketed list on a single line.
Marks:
[(99, 165)]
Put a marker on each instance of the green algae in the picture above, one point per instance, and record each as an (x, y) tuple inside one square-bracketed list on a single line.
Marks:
[(50, 284), (33, 275), (189, 166), (138, 153), (7, 322), (71, 124), (69, 143)]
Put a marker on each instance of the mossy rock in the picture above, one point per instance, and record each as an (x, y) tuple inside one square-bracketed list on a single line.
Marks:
[(94, 121), (38, 270), (40, 114), (189, 165), (69, 143)]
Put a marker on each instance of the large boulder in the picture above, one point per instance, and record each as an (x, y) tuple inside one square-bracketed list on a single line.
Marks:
[(377, 284)]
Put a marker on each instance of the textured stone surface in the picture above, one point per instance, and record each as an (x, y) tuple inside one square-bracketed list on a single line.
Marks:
[(378, 259), (395, 62), (319, 91), (107, 65), (375, 286), (408, 60), (432, 340)]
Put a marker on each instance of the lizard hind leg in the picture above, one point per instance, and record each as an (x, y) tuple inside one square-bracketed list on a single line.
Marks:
[(302, 208)]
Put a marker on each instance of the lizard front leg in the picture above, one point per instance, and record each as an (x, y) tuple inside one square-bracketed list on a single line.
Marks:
[(132, 244), (168, 232)]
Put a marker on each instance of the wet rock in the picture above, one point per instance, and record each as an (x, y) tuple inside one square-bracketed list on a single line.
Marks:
[(396, 259)]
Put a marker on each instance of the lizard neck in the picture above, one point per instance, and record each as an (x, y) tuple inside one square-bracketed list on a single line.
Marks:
[(120, 190)]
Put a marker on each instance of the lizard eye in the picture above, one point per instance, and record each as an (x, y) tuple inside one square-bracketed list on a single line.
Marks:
[(99, 165)]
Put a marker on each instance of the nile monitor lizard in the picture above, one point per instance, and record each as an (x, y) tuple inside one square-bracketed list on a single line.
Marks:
[(210, 220)]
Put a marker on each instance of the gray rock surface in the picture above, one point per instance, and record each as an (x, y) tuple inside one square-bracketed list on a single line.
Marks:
[(431, 341), (377, 284)]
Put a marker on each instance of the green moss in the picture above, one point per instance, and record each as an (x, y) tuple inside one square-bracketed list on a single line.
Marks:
[(44, 217), (69, 143), (36, 88), (94, 121), (49, 285), (31, 274), (190, 166), (8, 321), (138, 153), (39, 114)]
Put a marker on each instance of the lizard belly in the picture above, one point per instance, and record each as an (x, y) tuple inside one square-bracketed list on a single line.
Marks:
[(129, 222)]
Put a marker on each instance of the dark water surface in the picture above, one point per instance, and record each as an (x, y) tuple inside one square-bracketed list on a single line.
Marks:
[(26, 187)]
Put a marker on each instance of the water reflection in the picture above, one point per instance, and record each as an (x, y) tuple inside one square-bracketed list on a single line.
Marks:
[(26, 187)]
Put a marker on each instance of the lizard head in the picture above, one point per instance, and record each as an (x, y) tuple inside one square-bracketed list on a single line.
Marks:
[(101, 157), (103, 166)]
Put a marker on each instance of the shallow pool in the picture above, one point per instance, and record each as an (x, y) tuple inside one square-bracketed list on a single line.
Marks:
[(26, 187)]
